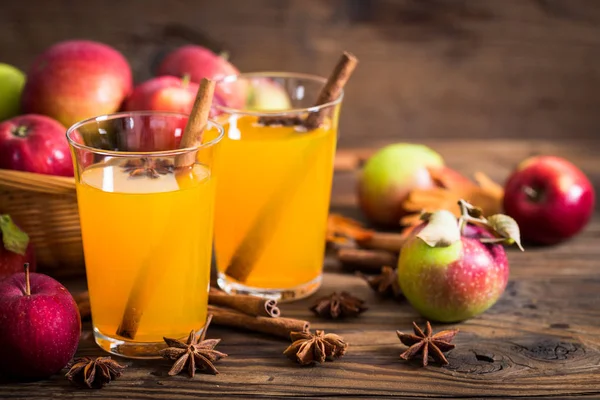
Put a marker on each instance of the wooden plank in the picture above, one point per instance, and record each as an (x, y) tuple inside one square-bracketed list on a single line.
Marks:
[(429, 68), (542, 338)]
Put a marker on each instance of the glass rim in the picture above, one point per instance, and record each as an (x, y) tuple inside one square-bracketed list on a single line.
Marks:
[(156, 153), (276, 74)]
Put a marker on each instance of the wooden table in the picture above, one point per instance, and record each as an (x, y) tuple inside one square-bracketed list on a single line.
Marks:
[(542, 339)]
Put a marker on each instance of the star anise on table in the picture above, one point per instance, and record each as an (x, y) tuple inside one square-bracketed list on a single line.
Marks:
[(308, 348), (338, 305), (93, 373), (385, 284), (196, 353), (426, 344), (150, 167)]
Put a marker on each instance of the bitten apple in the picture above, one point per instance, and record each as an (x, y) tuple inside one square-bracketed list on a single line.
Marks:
[(550, 198), (449, 276), (389, 175), (15, 249), (39, 326)]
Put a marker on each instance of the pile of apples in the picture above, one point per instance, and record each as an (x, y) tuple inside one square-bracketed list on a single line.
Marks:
[(79, 79), (547, 200)]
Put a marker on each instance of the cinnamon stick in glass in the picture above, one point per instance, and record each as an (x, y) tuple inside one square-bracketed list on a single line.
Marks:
[(281, 327), (192, 136), (249, 305), (250, 248)]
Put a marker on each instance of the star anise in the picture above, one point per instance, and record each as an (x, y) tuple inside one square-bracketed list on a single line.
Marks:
[(311, 349), (196, 353), (426, 344), (385, 284), (93, 373), (338, 305), (150, 167)]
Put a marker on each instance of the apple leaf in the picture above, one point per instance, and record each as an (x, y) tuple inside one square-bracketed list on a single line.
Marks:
[(13, 238), (505, 227), (441, 229)]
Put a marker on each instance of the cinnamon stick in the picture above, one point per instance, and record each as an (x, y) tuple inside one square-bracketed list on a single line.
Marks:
[(249, 305), (367, 260), (384, 241), (82, 299), (251, 246), (281, 327), (143, 285), (332, 89)]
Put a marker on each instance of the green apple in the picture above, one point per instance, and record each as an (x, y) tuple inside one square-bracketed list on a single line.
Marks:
[(267, 95), (449, 275), (12, 81), (389, 175)]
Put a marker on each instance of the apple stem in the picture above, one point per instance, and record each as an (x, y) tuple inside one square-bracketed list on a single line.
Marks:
[(27, 283), (466, 217), (224, 55), (185, 80), (20, 131), (532, 194)]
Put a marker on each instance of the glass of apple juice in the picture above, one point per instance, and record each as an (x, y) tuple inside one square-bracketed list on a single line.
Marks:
[(147, 227), (275, 169)]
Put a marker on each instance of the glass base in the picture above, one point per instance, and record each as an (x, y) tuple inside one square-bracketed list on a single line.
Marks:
[(282, 295), (131, 349)]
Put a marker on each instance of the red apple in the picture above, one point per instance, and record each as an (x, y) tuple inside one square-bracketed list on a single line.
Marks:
[(35, 143), (198, 62), (550, 198), (163, 93), (15, 249), (75, 80), (40, 326), (454, 276)]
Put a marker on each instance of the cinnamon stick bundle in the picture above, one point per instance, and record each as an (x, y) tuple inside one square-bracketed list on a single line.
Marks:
[(249, 305), (384, 241), (366, 260), (281, 327)]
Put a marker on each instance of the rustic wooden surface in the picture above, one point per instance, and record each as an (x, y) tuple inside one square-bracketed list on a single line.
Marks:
[(429, 68), (542, 339)]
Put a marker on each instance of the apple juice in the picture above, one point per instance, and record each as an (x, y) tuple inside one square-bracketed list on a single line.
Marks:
[(278, 177), (156, 232)]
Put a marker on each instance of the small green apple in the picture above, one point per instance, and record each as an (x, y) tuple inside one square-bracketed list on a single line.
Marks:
[(267, 95), (12, 81), (389, 175)]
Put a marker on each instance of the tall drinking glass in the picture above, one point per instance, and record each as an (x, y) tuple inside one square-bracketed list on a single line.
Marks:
[(275, 175), (147, 227)]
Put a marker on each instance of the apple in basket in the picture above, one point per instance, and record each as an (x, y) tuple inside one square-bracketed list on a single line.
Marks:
[(35, 143)]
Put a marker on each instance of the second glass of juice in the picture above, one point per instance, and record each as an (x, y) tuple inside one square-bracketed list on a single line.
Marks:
[(146, 209), (275, 175)]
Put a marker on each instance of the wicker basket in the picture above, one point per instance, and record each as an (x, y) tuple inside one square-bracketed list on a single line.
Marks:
[(45, 207)]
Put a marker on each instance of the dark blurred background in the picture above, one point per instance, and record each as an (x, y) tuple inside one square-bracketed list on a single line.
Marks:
[(472, 69)]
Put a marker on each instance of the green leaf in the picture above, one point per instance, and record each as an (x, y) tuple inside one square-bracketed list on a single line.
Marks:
[(13, 238), (507, 228), (441, 230)]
